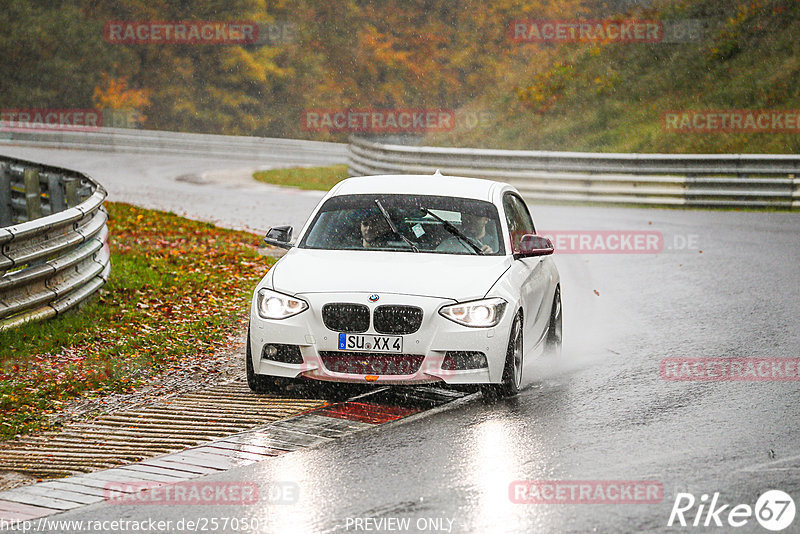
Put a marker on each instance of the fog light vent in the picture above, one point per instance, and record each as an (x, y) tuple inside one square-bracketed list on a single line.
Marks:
[(282, 353), (460, 360)]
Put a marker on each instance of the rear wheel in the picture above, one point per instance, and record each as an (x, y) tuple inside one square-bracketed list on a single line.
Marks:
[(554, 331), (261, 383), (512, 371)]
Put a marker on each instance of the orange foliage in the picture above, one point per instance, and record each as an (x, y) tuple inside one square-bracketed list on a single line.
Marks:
[(115, 94)]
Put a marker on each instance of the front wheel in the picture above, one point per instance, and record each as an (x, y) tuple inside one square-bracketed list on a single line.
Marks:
[(512, 371), (554, 331)]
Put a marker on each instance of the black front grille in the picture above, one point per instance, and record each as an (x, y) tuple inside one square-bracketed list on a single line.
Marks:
[(397, 319), (346, 317), (371, 363)]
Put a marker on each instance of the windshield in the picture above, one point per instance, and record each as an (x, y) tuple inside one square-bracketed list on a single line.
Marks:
[(355, 222)]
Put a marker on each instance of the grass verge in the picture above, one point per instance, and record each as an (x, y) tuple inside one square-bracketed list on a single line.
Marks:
[(317, 178), (178, 289)]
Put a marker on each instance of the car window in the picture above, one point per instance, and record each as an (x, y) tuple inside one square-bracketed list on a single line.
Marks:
[(355, 222), (518, 219)]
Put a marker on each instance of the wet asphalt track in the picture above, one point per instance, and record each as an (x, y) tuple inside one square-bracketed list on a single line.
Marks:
[(602, 413)]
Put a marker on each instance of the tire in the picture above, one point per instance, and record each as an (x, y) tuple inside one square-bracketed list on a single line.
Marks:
[(260, 383), (512, 371), (555, 329)]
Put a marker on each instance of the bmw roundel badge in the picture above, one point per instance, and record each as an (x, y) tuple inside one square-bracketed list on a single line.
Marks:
[(374, 297)]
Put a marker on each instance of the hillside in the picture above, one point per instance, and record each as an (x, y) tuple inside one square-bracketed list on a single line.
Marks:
[(459, 56), (613, 97)]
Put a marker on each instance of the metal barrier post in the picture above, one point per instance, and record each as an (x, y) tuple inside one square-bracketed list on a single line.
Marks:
[(5, 196), (58, 199), (71, 191), (33, 194)]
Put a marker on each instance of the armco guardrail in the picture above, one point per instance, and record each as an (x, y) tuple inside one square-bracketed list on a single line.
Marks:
[(177, 143), (53, 240), (738, 180)]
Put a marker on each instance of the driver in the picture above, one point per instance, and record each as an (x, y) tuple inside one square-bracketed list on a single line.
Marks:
[(375, 231)]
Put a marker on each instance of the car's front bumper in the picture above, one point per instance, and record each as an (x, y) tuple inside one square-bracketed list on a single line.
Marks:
[(436, 336)]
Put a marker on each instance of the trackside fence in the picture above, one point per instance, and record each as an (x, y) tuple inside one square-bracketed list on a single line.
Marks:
[(712, 180), (53, 240), (155, 142)]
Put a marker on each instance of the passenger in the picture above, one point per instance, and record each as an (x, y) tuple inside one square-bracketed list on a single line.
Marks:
[(475, 227)]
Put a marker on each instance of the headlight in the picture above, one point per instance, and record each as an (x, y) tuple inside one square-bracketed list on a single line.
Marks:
[(274, 305), (478, 313)]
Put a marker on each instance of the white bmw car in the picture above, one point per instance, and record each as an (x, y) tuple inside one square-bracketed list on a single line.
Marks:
[(407, 280)]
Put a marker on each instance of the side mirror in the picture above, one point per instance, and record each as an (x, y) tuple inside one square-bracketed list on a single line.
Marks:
[(279, 236), (534, 245)]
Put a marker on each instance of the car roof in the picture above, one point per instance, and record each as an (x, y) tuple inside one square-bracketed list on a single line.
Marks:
[(419, 184)]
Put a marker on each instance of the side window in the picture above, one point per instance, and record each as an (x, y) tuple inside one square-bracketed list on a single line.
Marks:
[(518, 218)]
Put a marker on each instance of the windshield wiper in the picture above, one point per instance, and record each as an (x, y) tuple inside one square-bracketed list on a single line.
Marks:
[(455, 231), (393, 227)]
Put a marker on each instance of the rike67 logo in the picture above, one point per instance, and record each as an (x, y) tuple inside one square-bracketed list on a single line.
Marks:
[(774, 510)]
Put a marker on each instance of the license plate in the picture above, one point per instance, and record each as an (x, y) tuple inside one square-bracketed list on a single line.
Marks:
[(370, 343)]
